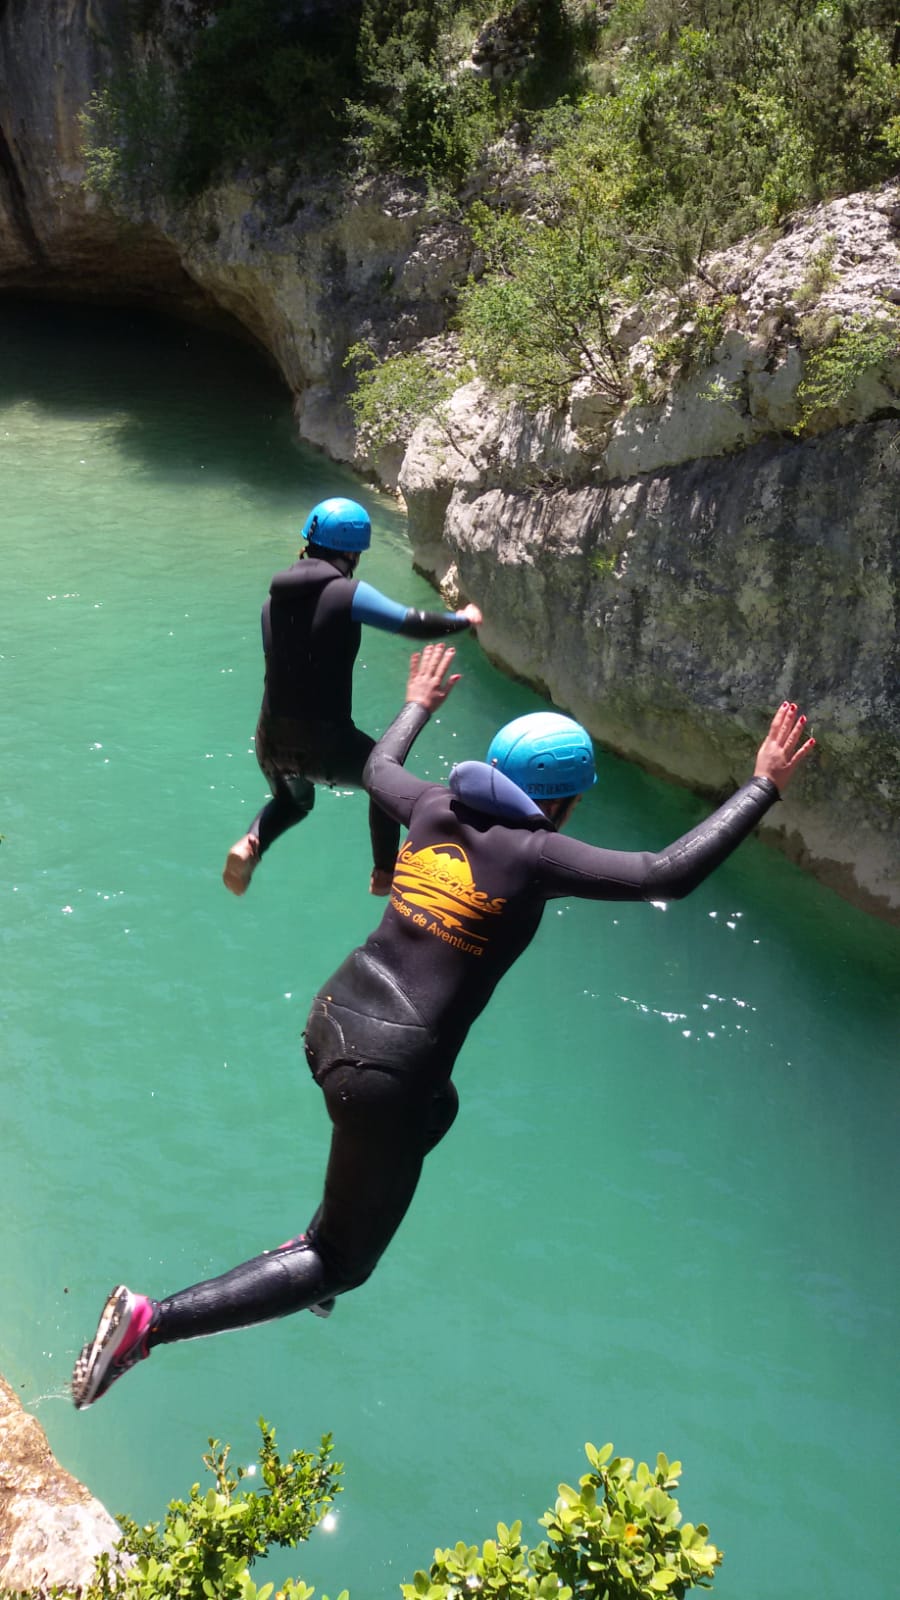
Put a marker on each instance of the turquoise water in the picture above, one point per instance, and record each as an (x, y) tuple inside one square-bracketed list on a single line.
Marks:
[(667, 1213)]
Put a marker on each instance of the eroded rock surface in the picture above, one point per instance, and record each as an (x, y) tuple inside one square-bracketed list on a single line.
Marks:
[(51, 1528)]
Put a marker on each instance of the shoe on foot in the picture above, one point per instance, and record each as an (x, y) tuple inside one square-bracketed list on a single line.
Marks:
[(240, 864), (120, 1341)]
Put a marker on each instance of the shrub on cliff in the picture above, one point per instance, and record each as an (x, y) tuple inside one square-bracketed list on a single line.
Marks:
[(618, 1536), (707, 121)]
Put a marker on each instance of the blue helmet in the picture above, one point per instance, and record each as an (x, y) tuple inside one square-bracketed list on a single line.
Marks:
[(338, 524), (546, 754)]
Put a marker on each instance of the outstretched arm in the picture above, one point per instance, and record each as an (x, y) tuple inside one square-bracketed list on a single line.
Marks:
[(375, 609), (572, 867), (428, 685)]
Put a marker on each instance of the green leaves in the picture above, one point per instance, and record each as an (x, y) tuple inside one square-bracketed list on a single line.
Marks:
[(394, 395), (614, 1537), (539, 320), (207, 1543), (847, 354)]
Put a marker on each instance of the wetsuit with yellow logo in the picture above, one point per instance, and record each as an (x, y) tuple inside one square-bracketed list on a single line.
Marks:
[(473, 877)]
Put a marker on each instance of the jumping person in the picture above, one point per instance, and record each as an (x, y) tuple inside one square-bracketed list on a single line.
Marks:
[(482, 857), (311, 624)]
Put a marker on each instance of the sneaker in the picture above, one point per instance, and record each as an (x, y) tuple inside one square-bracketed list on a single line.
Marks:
[(120, 1341)]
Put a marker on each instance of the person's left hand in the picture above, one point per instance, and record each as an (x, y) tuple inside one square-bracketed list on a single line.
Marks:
[(428, 684), (473, 613), (781, 752)]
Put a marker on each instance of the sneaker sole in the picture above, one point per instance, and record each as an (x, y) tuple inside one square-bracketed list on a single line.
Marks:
[(98, 1355)]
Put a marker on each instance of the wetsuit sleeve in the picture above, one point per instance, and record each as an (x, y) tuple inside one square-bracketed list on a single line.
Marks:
[(395, 790), (375, 609), (571, 867)]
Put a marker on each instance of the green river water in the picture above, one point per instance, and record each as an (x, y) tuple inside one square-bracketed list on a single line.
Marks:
[(667, 1214)]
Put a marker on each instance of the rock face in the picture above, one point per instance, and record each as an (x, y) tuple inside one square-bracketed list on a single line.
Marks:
[(51, 1528), (671, 613), (666, 571), (305, 267)]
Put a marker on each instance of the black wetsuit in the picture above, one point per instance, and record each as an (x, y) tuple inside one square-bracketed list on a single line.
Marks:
[(306, 734), (470, 886)]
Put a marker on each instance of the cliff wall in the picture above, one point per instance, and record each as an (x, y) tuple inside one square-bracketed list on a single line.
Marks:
[(668, 572), (51, 1528)]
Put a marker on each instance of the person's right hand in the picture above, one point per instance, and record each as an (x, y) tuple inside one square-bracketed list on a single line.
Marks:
[(778, 756), (473, 613), (427, 683)]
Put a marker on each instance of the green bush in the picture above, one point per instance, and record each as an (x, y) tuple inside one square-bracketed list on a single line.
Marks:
[(394, 395), (261, 85), (618, 1536), (848, 352), (693, 346), (702, 121), (207, 1543), (718, 119), (424, 125), (132, 135), (540, 317)]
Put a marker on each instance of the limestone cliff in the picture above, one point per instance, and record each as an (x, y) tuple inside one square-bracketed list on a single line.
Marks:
[(672, 612), (51, 1528), (667, 571)]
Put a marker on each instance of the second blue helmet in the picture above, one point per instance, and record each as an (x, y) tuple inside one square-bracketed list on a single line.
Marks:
[(546, 754), (338, 524)]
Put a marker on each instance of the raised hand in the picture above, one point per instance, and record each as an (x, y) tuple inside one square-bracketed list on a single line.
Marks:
[(781, 752), (428, 683)]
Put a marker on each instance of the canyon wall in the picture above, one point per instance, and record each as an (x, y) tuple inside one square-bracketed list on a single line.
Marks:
[(667, 572)]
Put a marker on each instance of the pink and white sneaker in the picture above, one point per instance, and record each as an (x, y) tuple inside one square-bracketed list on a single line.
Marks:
[(120, 1341)]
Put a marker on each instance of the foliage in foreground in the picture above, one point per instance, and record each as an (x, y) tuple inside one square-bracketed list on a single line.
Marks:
[(204, 1548), (618, 1536)]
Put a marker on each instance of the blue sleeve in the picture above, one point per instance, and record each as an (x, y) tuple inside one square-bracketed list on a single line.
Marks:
[(375, 609)]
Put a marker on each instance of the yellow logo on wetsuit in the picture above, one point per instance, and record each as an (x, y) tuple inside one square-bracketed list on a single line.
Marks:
[(438, 879)]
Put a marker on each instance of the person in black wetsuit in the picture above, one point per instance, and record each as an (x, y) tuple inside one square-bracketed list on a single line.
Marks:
[(311, 623), (482, 858)]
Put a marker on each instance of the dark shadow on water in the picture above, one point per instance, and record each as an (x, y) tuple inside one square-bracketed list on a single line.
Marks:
[(178, 396)]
